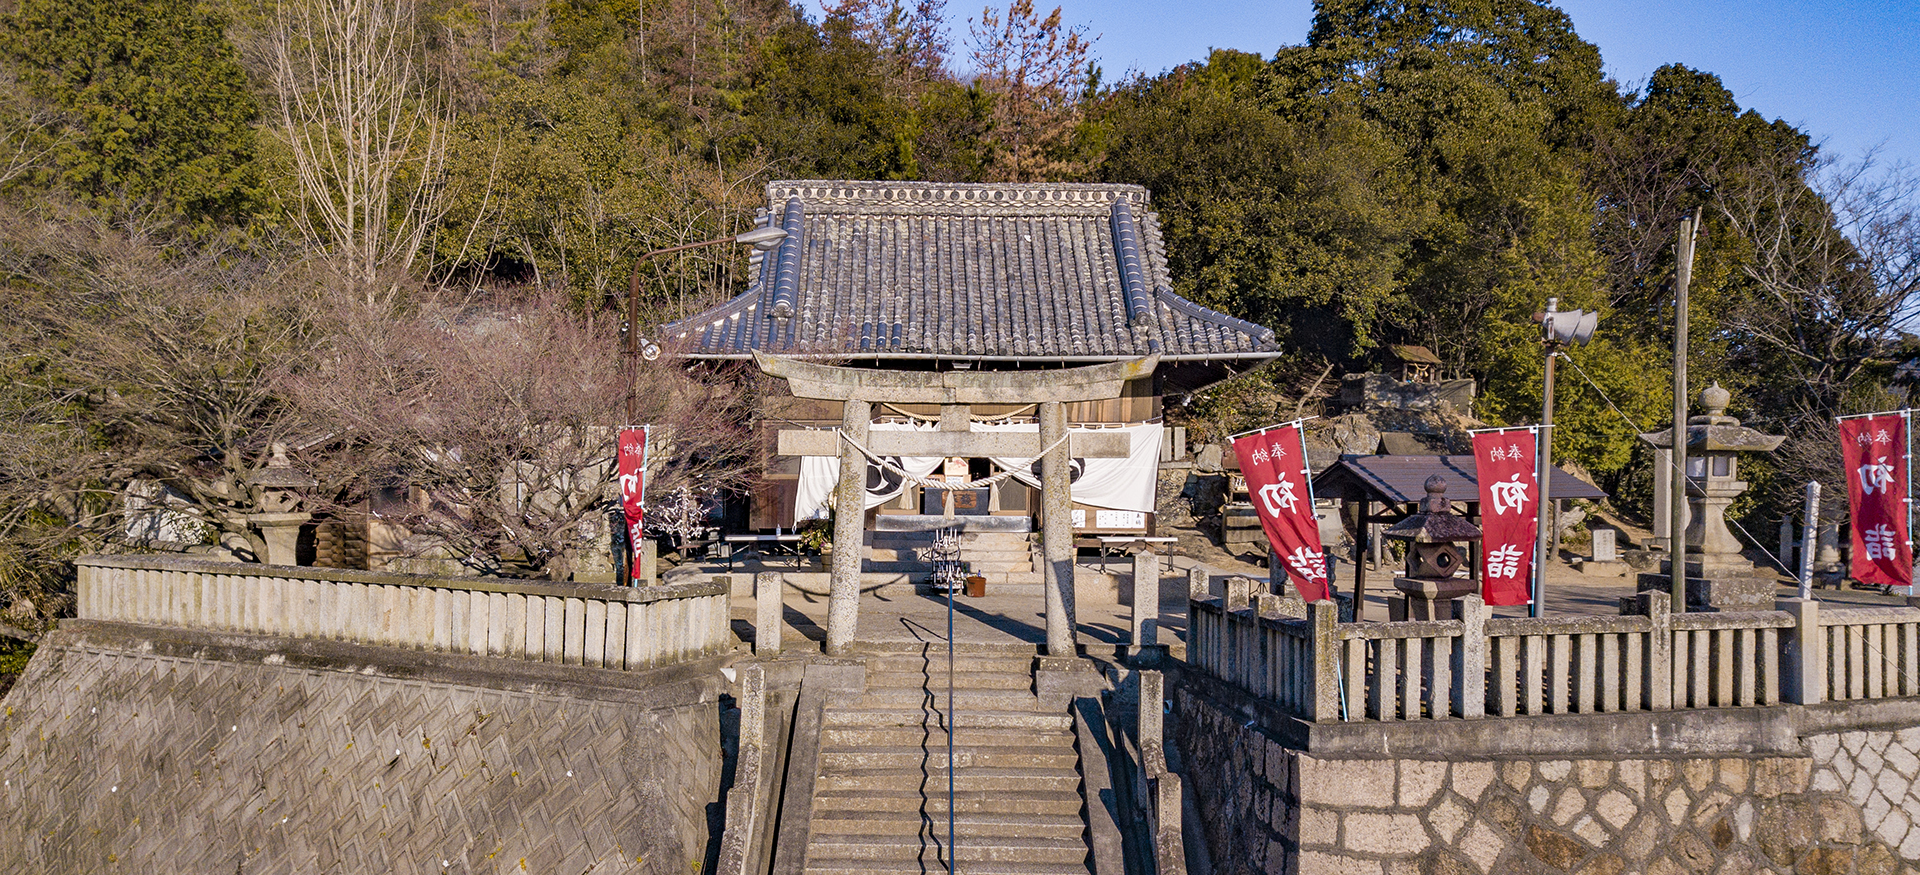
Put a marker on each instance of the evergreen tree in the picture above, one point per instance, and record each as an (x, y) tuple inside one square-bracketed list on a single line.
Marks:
[(157, 113)]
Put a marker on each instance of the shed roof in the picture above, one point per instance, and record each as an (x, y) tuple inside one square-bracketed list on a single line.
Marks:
[(1402, 479), (1015, 273), (1413, 354)]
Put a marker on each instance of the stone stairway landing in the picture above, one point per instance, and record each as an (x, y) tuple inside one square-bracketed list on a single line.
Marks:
[(1005, 559), (881, 798)]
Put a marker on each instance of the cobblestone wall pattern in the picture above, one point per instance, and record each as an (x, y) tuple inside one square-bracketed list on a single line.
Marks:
[(1847, 808)]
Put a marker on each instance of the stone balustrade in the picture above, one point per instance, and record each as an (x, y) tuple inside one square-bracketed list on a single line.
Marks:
[(571, 624), (1325, 671)]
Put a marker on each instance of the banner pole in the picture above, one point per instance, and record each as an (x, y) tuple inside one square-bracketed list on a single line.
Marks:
[(1267, 428), (1542, 459), (1906, 463)]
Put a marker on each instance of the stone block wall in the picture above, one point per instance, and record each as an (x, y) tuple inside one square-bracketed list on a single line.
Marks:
[(127, 757), (1849, 807)]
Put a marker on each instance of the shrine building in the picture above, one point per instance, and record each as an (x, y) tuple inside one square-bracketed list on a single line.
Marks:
[(925, 278)]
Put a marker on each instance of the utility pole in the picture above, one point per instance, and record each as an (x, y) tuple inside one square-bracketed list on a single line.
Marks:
[(1677, 529)]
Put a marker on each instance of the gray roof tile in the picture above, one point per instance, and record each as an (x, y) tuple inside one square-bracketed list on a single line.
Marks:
[(998, 271)]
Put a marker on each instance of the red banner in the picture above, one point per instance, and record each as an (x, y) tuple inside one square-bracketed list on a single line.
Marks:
[(633, 489), (1874, 450), (1275, 465), (1506, 464)]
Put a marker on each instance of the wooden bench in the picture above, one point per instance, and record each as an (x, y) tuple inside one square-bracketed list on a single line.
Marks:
[(1118, 544), (773, 540)]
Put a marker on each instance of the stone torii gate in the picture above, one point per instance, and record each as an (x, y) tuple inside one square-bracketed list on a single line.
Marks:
[(859, 389)]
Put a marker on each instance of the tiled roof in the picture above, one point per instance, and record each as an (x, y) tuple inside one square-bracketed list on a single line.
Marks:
[(1402, 479), (1000, 272)]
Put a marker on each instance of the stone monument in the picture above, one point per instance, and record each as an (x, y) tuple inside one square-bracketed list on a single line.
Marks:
[(1718, 577)]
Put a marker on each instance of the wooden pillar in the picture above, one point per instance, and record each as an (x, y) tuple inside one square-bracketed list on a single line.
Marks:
[(1365, 531), (849, 529), (1056, 539)]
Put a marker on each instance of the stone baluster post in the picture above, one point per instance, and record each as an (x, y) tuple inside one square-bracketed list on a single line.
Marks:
[(849, 529), (768, 617), (1056, 502), (1803, 676), (1657, 674), (1153, 696), (1239, 593), (1199, 582), (1323, 704), (1470, 673), (1146, 600)]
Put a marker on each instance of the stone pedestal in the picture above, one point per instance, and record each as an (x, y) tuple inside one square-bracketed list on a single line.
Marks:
[(281, 532), (1428, 599), (1719, 586)]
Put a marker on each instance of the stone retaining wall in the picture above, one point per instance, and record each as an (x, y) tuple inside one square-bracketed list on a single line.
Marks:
[(1849, 806), (124, 749)]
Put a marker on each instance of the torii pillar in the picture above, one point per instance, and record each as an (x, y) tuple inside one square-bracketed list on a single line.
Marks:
[(859, 388)]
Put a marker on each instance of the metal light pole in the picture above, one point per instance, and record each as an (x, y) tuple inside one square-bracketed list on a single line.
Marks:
[(762, 239), (1561, 328)]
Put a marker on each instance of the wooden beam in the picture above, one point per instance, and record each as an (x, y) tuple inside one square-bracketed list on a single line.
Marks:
[(833, 383), (970, 445)]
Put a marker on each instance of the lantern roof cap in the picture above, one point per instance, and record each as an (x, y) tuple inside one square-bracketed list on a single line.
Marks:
[(1435, 522)]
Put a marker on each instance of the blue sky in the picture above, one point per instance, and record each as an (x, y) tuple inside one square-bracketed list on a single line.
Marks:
[(1845, 71)]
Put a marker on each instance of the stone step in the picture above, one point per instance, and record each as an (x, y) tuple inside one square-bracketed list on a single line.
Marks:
[(922, 588), (912, 565), (900, 551), (935, 736), (934, 678), (966, 539), (964, 700), (1037, 720), (978, 778), (917, 670), (979, 828), (890, 757), (933, 800), (933, 864), (1009, 849)]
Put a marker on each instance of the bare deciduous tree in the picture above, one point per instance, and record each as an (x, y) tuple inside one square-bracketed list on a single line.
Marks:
[(367, 135), (1833, 255), (134, 368), (497, 420)]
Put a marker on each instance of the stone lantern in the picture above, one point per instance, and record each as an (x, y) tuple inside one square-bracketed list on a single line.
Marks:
[(278, 490), (1717, 575), (1437, 549)]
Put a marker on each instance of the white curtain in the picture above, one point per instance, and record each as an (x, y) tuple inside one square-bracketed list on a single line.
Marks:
[(820, 474), (1116, 484)]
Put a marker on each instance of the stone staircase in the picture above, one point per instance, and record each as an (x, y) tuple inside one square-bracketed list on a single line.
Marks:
[(880, 798), (1005, 559)]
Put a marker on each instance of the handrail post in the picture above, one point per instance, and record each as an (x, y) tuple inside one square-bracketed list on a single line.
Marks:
[(1146, 600), (1199, 582), (768, 612), (1470, 677), (1804, 662), (1323, 705), (1658, 672)]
